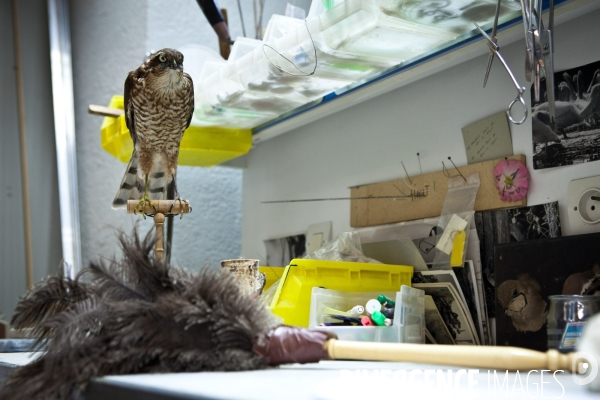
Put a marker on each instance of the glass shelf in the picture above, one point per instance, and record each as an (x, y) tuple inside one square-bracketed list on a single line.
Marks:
[(363, 48)]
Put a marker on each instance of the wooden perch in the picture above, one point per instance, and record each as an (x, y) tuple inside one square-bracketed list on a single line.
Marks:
[(105, 111), (160, 209)]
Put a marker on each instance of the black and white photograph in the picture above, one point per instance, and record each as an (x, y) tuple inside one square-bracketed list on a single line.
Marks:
[(280, 251), (509, 226), (451, 308), (434, 324), (575, 136)]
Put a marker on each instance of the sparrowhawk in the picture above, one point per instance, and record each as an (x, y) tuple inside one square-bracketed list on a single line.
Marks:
[(159, 102)]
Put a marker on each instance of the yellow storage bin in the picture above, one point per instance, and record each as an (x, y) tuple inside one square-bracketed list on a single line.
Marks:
[(203, 146), (292, 298)]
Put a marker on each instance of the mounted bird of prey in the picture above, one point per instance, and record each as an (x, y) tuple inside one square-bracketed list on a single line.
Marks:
[(159, 102)]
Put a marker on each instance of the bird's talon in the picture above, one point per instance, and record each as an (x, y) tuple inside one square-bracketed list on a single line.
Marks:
[(142, 206)]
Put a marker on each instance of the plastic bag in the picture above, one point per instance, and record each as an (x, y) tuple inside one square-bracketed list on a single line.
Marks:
[(345, 247), (456, 217)]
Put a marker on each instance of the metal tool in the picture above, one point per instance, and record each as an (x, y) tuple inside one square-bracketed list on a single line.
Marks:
[(540, 48), (495, 49), (547, 43), (493, 37)]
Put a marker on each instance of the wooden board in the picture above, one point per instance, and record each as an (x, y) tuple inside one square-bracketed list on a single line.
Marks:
[(386, 211)]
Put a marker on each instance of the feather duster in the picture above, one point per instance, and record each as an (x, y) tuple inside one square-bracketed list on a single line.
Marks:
[(140, 315)]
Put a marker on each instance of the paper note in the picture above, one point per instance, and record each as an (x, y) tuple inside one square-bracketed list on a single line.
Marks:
[(488, 139), (456, 224), (400, 251)]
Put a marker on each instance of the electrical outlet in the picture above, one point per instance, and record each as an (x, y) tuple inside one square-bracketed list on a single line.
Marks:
[(584, 205)]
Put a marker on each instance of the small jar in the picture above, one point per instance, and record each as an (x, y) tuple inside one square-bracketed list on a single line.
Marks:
[(567, 317)]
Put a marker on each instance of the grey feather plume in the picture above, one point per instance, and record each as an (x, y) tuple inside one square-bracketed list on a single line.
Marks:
[(137, 315)]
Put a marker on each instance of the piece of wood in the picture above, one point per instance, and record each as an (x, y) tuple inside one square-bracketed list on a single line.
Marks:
[(23, 146), (490, 357), (159, 209), (105, 111), (435, 185), (3, 329), (225, 48), (159, 222), (167, 207)]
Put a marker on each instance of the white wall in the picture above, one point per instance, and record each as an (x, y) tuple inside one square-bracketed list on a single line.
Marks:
[(366, 143)]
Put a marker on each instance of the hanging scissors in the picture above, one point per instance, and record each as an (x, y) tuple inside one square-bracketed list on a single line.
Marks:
[(540, 49), (495, 51), (547, 63)]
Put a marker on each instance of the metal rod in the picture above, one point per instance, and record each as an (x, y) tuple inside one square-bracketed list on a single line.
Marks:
[(64, 127), (341, 198), (450, 158), (408, 176), (419, 158), (241, 17), (23, 143)]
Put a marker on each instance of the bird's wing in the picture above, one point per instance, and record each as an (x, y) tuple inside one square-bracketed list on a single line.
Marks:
[(191, 101), (129, 109)]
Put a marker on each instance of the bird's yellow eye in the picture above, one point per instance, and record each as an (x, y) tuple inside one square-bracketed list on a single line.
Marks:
[(162, 58)]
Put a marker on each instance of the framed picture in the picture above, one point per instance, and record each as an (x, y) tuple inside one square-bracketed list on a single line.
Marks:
[(528, 272)]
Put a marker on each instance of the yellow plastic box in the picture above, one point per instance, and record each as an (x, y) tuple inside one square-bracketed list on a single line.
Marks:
[(292, 298), (203, 146)]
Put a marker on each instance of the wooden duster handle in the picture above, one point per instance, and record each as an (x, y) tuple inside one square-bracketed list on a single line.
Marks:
[(489, 357)]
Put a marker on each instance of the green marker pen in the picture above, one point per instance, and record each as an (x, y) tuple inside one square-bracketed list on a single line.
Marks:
[(384, 299)]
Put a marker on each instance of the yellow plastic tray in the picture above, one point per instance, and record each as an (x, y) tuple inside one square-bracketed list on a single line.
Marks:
[(203, 146), (292, 298)]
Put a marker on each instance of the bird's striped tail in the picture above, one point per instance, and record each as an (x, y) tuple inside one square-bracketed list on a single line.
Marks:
[(132, 187)]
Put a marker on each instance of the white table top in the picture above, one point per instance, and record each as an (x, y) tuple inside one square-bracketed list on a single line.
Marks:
[(17, 359), (343, 380)]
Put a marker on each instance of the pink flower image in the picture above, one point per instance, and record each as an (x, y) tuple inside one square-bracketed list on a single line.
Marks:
[(512, 180)]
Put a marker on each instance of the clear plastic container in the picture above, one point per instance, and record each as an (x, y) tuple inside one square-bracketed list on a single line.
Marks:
[(454, 16), (344, 301), (567, 317), (364, 31), (241, 47)]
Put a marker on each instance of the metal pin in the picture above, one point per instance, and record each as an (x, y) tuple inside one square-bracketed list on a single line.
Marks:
[(406, 172), (450, 158), (419, 158), (399, 190), (445, 170)]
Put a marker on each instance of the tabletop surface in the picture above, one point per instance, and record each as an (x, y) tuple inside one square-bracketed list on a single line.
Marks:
[(333, 380)]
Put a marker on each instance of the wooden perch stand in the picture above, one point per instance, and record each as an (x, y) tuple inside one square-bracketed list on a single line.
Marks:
[(105, 111), (159, 211)]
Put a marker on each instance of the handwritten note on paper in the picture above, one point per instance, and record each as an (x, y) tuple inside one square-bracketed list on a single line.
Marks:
[(488, 139)]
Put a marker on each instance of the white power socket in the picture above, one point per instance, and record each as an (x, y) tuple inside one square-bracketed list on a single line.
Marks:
[(584, 210)]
